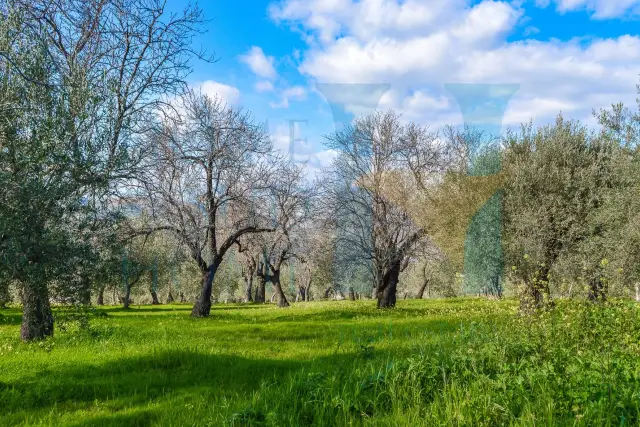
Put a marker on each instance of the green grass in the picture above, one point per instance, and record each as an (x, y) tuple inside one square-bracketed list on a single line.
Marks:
[(459, 362)]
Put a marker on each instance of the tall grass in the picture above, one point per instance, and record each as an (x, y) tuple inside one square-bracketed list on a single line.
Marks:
[(461, 362)]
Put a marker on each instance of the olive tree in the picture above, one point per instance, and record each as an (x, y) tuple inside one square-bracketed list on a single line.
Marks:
[(367, 191), (556, 177), (81, 81), (213, 178)]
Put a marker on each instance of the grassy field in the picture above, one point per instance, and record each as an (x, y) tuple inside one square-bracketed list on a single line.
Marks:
[(458, 362)]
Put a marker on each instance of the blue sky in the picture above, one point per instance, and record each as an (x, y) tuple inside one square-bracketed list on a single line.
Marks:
[(564, 55)]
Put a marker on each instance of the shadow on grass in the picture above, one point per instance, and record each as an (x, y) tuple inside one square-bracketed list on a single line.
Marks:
[(10, 317), (137, 419), (137, 381)]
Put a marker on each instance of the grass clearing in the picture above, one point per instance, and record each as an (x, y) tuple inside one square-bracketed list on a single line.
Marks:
[(462, 362)]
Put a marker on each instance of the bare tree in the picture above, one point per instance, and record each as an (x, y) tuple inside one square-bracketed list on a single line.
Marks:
[(377, 153), (210, 180), (292, 197)]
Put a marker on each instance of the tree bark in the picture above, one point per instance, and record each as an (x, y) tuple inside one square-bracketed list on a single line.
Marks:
[(249, 281), (420, 292), (100, 299), (202, 307), (85, 296), (37, 318), (597, 291), (154, 298), (127, 297), (261, 290), (302, 294), (170, 297), (327, 292), (352, 295), (387, 295), (281, 299)]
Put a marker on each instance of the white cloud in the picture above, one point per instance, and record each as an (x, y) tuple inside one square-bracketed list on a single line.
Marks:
[(228, 94), (295, 93), (600, 9), (417, 47), (260, 64), (263, 86)]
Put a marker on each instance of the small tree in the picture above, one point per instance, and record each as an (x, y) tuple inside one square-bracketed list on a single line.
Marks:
[(555, 181)]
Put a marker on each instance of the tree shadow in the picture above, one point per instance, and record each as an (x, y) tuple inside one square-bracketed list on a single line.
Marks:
[(10, 317), (136, 381), (137, 419)]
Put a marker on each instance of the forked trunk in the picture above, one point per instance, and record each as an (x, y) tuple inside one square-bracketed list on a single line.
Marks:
[(202, 307), (37, 318), (387, 295)]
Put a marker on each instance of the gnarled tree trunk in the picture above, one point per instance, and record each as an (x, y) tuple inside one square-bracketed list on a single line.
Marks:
[(37, 318), (261, 289), (202, 307), (154, 297), (389, 284), (281, 299)]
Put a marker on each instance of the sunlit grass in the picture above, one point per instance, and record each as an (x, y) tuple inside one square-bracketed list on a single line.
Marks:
[(445, 362)]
